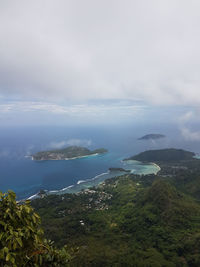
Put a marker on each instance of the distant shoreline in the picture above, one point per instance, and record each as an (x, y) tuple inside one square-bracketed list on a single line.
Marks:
[(79, 157), (159, 168)]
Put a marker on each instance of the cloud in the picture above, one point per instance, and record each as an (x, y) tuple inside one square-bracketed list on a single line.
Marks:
[(58, 145), (99, 110), (190, 135), (49, 113), (79, 142), (186, 117), (80, 50), (71, 142), (186, 125)]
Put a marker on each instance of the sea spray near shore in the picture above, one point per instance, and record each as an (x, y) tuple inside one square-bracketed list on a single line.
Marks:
[(80, 181), (33, 197), (63, 189)]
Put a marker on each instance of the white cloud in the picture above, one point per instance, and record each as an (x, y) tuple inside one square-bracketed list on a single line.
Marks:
[(79, 142), (185, 125), (70, 142), (58, 145), (190, 135), (100, 49), (71, 109), (186, 117), (49, 113)]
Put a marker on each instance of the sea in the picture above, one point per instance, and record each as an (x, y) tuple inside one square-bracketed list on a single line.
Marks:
[(18, 172)]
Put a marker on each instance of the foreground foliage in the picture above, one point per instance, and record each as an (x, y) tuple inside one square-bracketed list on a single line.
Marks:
[(21, 238)]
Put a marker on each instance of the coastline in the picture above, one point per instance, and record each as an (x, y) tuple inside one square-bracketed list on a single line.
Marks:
[(159, 169), (95, 181), (78, 157)]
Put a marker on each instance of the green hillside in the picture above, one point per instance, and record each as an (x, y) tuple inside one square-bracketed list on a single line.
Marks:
[(166, 155), (125, 223)]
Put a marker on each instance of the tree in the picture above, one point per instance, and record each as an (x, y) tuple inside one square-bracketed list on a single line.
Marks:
[(22, 240)]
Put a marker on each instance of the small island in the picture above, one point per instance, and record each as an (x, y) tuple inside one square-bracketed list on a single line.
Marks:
[(71, 152), (152, 137), (118, 170), (164, 155)]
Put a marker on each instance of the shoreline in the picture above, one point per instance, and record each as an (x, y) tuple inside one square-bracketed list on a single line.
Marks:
[(78, 157), (79, 183), (159, 168), (83, 184)]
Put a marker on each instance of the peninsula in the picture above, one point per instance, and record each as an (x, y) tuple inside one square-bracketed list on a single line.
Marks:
[(112, 169), (71, 152), (152, 137)]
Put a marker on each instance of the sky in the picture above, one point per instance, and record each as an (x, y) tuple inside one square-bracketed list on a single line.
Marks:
[(66, 60)]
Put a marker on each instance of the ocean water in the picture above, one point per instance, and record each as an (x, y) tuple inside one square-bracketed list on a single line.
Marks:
[(27, 177)]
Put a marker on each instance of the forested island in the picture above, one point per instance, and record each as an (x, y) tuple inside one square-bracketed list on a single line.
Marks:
[(70, 152), (151, 137)]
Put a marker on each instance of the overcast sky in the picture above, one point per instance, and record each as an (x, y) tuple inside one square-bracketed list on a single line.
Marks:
[(75, 50)]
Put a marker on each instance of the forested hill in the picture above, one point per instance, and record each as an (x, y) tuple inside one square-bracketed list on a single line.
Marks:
[(127, 221), (163, 155)]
